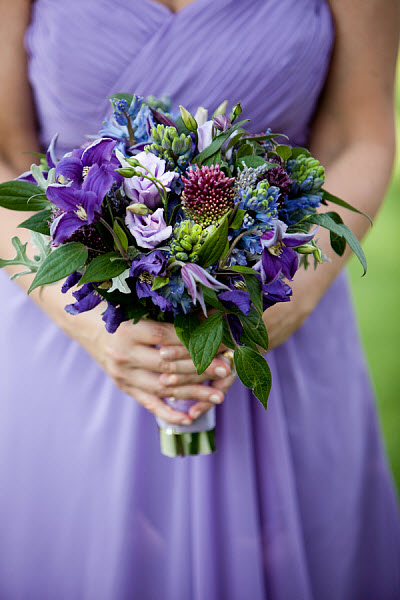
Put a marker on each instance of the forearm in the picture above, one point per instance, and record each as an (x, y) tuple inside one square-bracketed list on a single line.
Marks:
[(359, 174), (50, 299)]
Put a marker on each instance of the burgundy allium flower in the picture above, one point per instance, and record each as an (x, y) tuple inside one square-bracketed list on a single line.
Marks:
[(208, 194), (279, 178)]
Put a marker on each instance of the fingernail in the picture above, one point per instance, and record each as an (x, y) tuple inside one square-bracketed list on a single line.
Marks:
[(167, 353), (215, 398), (186, 422), (196, 413), (221, 372), (169, 379)]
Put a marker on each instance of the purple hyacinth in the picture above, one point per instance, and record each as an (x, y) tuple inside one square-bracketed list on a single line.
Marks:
[(207, 195)]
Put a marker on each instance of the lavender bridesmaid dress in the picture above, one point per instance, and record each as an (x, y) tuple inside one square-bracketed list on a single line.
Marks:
[(297, 504)]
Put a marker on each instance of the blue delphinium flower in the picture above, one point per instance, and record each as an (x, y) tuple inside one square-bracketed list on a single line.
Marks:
[(175, 293), (261, 201), (261, 205), (294, 210)]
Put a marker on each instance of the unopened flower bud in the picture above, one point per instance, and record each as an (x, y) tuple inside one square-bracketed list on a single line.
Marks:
[(133, 161), (137, 208), (306, 249), (237, 109), (188, 119), (221, 110), (222, 122), (126, 172)]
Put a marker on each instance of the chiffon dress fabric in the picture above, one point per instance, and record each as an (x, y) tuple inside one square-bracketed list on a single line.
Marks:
[(297, 503)]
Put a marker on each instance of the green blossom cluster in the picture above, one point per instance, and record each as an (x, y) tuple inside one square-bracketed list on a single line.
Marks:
[(308, 172), (167, 144), (187, 240)]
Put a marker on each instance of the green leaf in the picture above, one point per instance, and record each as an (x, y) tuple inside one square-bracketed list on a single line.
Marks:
[(174, 213), (133, 252), (136, 311), (205, 341), (244, 150), (181, 126), (235, 139), (16, 195), (253, 162), (38, 222), (267, 136), (213, 160), (159, 282), (104, 267), (211, 298), (226, 336), (216, 144), (338, 242), (253, 285), (241, 269), (185, 325), (214, 245), (42, 243), (326, 220), (59, 264), (254, 372), (285, 152), (331, 198), (20, 258), (121, 235), (254, 328), (244, 338), (298, 150), (238, 219)]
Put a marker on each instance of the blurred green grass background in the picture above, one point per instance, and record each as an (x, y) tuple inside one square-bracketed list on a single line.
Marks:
[(376, 298)]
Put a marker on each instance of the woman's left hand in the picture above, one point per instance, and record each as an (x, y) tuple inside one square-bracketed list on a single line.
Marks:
[(183, 373)]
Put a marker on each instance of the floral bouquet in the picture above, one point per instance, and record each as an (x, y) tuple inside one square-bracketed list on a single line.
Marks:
[(184, 219)]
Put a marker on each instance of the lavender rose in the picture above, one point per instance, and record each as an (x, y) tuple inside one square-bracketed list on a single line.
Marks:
[(148, 230), (141, 189)]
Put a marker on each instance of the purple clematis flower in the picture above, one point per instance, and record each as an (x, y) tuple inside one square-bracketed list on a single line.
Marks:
[(278, 257), (113, 316), (86, 299), (239, 297), (81, 207), (192, 275), (91, 168), (146, 268), (141, 189), (148, 230), (275, 292)]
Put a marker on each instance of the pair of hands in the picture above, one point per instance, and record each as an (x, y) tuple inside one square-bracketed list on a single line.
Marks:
[(149, 362), (149, 373)]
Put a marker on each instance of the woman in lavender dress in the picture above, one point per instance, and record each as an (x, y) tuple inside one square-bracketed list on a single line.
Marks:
[(297, 503)]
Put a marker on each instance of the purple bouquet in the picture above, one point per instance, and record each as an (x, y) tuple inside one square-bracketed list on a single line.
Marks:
[(184, 219)]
